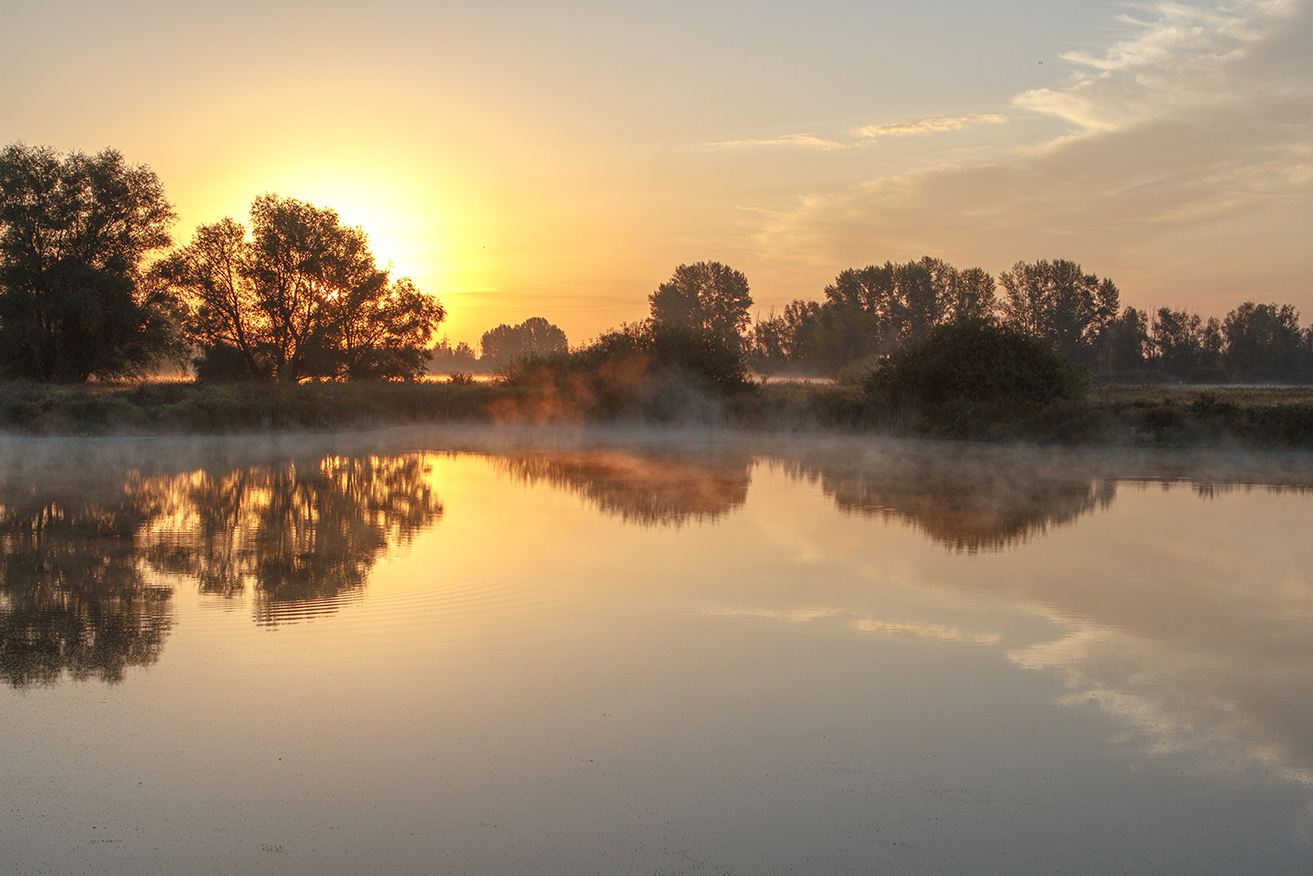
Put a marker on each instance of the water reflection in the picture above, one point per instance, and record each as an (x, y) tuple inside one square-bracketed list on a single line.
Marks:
[(72, 594), (84, 555), (956, 500), (649, 489), (302, 536)]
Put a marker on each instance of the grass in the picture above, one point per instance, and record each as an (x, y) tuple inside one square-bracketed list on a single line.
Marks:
[(1136, 415)]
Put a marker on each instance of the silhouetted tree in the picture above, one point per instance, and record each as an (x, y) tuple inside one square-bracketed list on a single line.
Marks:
[(1058, 302), (1264, 342), (871, 311), (705, 295), (534, 336), (1178, 342), (449, 359), (1124, 341), (300, 297), (74, 231)]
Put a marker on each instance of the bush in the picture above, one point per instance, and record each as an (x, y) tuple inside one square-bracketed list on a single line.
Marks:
[(653, 370), (977, 361)]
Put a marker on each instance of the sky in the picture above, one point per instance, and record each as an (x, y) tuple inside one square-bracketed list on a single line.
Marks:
[(526, 159)]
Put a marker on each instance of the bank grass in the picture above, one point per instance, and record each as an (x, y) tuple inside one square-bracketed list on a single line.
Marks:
[(239, 407), (1271, 416)]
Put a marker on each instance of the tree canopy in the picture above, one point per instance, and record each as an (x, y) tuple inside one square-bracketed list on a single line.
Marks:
[(74, 233), (297, 295), (535, 336), (705, 295)]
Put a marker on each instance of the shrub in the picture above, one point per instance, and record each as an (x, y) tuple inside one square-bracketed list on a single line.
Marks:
[(976, 360)]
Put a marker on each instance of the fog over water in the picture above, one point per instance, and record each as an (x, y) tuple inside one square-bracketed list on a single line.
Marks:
[(475, 650)]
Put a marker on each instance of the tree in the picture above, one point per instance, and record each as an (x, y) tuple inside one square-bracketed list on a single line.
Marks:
[(1264, 342), (74, 233), (1178, 341), (298, 297), (705, 295), (1058, 302), (1123, 341), (534, 336)]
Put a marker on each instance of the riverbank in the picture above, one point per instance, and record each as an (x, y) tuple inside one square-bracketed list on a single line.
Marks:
[(1117, 415)]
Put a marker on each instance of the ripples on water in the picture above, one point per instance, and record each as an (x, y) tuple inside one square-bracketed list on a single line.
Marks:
[(788, 654)]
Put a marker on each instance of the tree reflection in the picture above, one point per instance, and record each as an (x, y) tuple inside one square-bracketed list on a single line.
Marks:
[(301, 535), (649, 490), (72, 594), (82, 553), (966, 503)]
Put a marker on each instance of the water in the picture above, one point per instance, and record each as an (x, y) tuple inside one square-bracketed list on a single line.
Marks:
[(468, 651)]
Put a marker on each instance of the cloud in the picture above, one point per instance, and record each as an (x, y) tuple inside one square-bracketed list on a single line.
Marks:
[(1188, 160), (806, 141), (931, 124), (936, 632), (927, 125), (1186, 57)]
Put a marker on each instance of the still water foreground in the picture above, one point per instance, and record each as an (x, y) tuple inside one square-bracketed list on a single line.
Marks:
[(468, 651)]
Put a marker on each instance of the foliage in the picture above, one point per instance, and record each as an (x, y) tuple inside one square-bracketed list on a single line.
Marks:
[(707, 296), (533, 337), (650, 370), (447, 359), (871, 311), (1264, 342), (299, 297), (1059, 303), (1124, 343), (976, 360), (74, 232)]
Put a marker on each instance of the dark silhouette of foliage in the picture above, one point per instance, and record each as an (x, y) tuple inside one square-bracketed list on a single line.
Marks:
[(1264, 342), (707, 296), (299, 297), (447, 359), (534, 337), (1058, 302), (871, 311), (74, 232), (1124, 343), (977, 361)]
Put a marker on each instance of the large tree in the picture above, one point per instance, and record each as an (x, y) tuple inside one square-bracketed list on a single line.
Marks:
[(298, 296), (708, 296), (1265, 342), (75, 231), (1060, 303)]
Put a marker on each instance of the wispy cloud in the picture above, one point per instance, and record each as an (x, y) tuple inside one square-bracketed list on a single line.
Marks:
[(933, 124), (927, 125), (806, 141), (937, 632), (1190, 144), (1181, 58)]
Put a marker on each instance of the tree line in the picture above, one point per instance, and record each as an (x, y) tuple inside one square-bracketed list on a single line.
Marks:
[(91, 286), (876, 310)]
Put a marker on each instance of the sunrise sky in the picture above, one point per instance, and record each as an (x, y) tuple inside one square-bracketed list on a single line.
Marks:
[(559, 159)]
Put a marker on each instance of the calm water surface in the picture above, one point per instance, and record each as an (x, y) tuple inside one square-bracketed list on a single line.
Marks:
[(479, 652)]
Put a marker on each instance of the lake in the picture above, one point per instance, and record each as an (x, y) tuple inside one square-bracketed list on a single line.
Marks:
[(609, 651)]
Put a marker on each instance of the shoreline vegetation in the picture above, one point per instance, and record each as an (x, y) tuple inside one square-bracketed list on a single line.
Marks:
[(1117, 415), (287, 323)]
